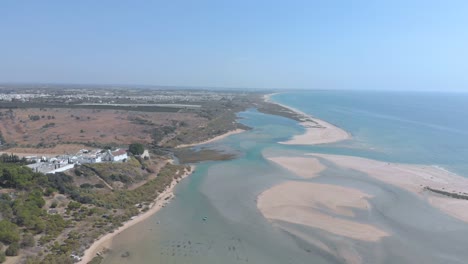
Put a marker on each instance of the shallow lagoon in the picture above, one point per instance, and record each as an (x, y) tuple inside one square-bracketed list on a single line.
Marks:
[(235, 232)]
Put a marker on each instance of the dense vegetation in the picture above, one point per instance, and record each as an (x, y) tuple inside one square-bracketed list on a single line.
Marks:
[(26, 198), (21, 208), (136, 148)]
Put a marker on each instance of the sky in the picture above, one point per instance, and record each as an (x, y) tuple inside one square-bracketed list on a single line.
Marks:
[(329, 44)]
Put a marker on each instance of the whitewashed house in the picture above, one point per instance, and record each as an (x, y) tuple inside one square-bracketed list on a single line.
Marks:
[(117, 155)]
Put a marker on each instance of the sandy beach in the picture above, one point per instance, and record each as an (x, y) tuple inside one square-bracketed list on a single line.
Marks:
[(316, 205), (319, 206), (413, 178), (105, 241), (332, 208), (225, 135), (317, 131)]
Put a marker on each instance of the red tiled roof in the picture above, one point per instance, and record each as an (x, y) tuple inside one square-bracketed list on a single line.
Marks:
[(119, 152)]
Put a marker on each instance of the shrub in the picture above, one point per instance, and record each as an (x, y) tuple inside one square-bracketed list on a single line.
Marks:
[(99, 185), (8, 232), (12, 250), (86, 186), (73, 205), (28, 240)]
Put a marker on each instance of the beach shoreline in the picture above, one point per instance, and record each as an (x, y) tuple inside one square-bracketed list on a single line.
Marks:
[(105, 241), (342, 210), (317, 132), (217, 138), (414, 178), (330, 207)]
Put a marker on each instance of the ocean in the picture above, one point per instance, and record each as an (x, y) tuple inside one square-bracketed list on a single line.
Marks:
[(420, 128), (408, 127)]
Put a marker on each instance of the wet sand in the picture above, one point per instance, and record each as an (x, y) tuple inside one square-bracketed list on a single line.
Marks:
[(356, 206), (359, 210), (105, 241), (320, 206), (306, 167), (227, 194), (318, 132), (413, 178)]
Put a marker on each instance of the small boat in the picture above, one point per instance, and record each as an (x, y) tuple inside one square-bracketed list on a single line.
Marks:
[(204, 218)]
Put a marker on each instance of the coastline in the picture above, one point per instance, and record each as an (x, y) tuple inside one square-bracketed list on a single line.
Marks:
[(317, 131), (413, 178), (332, 208), (105, 241), (225, 135)]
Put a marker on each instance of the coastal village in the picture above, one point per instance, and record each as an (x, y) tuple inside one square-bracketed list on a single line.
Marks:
[(67, 188), (63, 163), (101, 161)]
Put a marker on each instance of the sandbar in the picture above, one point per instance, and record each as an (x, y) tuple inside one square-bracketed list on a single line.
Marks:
[(413, 178), (323, 206), (306, 167)]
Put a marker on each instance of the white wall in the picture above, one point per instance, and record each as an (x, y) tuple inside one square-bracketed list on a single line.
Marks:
[(121, 157), (63, 168)]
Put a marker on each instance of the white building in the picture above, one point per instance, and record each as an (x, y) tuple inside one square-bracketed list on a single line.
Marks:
[(62, 168), (145, 154), (46, 167), (117, 155)]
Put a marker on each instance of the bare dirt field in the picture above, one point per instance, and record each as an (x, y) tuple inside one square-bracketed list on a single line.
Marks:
[(46, 127)]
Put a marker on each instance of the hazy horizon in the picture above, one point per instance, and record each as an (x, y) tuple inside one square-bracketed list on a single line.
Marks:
[(359, 45)]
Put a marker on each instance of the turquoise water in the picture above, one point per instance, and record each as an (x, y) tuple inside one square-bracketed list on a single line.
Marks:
[(412, 128)]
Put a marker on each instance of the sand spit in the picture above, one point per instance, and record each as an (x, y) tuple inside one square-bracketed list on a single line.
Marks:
[(225, 135), (317, 131), (413, 178), (322, 206), (105, 241), (306, 167)]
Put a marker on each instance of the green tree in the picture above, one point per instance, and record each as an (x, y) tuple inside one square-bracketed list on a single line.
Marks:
[(72, 205), (8, 232), (136, 148)]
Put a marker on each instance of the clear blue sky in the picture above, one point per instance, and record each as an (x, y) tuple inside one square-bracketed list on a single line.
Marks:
[(240, 43)]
